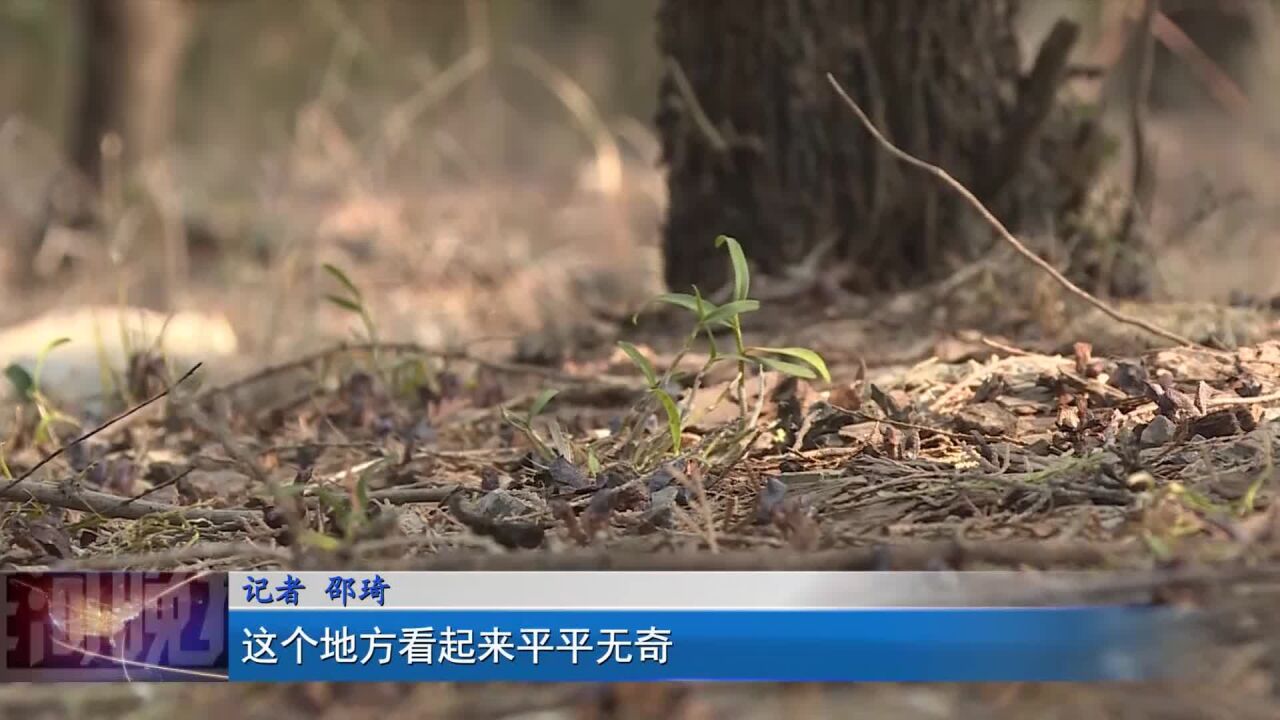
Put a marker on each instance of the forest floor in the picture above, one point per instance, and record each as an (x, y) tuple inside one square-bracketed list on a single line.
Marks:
[(1052, 437), (955, 450)]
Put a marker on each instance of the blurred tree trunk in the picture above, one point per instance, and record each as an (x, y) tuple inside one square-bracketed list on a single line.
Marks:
[(1228, 33), (758, 146), (133, 53), (123, 117)]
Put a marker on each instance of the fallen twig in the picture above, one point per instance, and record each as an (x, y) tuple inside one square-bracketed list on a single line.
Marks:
[(999, 227), (115, 506), (176, 557), (406, 496), (167, 483), (1003, 347), (1228, 401)]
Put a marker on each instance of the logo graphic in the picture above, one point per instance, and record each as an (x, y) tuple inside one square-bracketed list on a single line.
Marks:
[(128, 626)]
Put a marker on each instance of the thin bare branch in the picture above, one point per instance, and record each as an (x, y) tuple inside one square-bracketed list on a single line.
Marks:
[(51, 456), (999, 227), (177, 557)]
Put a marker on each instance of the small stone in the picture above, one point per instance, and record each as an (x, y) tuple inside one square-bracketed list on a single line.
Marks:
[(895, 403), (664, 475), (661, 507), (1130, 378), (566, 474), (501, 504), (1232, 486), (770, 500), (986, 418), (1158, 432)]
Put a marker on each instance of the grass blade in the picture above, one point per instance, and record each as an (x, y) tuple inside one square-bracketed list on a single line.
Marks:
[(20, 379), (682, 300), (804, 355), (642, 362), (43, 356), (345, 303), (540, 402), (342, 279), (726, 312), (741, 273), (673, 417), (787, 368)]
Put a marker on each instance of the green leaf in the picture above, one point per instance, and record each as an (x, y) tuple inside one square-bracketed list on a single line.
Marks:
[(44, 354), (642, 362), (787, 368), (345, 281), (1157, 546), (345, 303), (360, 504), (540, 402), (331, 501), (1247, 503), (299, 490), (804, 355), (673, 417), (593, 463), (20, 379), (741, 273), (53, 345), (683, 300), (730, 310), (525, 429), (700, 306)]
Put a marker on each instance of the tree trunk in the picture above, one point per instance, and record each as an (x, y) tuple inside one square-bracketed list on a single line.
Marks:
[(132, 56), (758, 146), (132, 52)]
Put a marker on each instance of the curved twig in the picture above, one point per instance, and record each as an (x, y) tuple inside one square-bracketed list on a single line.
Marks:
[(1000, 229)]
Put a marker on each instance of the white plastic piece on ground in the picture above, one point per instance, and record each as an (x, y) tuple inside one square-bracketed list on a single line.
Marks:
[(106, 336)]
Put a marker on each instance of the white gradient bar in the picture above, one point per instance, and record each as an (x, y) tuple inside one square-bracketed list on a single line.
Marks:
[(683, 590)]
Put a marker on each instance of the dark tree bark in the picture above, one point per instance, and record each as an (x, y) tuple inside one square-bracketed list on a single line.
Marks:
[(758, 146), (133, 52)]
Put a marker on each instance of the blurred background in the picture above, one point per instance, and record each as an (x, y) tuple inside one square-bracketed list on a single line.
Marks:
[(489, 167), (463, 161)]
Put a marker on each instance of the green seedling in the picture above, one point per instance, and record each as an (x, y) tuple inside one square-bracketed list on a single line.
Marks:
[(29, 388), (525, 424), (708, 318), (350, 513), (352, 301)]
